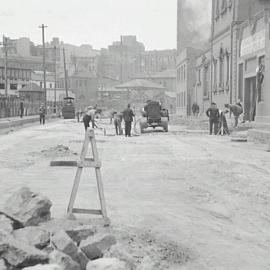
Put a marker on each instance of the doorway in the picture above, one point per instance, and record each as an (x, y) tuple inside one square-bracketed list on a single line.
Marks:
[(250, 99)]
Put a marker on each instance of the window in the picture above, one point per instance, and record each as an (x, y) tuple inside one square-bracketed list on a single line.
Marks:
[(13, 86), (2, 86), (206, 81), (199, 76), (215, 74), (50, 85), (240, 81), (184, 72), (221, 72), (228, 69), (40, 84)]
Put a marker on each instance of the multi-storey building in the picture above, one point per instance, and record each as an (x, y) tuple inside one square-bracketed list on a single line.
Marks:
[(150, 62), (185, 82)]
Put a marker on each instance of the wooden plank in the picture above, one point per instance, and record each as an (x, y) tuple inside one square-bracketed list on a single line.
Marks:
[(98, 175), (86, 211), (64, 163), (78, 176)]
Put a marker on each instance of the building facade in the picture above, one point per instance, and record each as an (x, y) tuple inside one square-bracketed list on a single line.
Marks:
[(185, 80)]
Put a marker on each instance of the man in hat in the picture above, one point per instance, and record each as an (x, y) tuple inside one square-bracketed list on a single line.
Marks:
[(87, 118), (42, 113), (128, 118), (213, 114)]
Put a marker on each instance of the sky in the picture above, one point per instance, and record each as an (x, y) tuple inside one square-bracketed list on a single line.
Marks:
[(95, 22)]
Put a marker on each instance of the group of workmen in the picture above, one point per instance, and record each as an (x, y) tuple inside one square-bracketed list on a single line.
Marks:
[(127, 115), (217, 117), (117, 117)]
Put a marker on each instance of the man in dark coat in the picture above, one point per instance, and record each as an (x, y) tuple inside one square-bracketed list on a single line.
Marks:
[(87, 119), (213, 115), (42, 113), (128, 118), (117, 123)]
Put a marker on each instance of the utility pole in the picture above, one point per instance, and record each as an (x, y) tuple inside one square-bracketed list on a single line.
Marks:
[(121, 60), (55, 78), (212, 52), (65, 72), (44, 65), (5, 49)]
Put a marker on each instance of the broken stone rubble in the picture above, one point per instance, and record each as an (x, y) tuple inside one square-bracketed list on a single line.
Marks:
[(27, 207), (94, 247), (64, 243), (63, 260), (19, 254), (44, 267), (33, 236), (30, 240)]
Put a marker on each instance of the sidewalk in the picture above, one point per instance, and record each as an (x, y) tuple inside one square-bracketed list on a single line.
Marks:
[(11, 122)]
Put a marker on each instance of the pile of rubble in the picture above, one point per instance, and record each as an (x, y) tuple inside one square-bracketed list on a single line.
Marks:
[(31, 240)]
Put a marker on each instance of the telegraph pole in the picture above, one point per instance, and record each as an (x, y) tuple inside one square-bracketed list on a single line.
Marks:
[(44, 65), (5, 47), (212, 52), (55, 78), (65, 72), (121, 60)]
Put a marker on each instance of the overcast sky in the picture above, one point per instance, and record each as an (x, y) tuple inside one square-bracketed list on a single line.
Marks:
[(95, 22)]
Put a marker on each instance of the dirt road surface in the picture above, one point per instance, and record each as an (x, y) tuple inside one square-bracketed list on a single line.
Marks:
[(207, 194)]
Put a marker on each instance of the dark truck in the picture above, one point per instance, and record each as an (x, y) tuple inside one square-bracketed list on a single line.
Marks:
[(154, 116)]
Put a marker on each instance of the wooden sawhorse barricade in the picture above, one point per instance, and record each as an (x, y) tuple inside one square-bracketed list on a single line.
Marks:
[(86, 163)]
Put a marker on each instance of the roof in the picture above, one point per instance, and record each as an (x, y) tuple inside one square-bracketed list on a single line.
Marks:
[(165, 74), (32, 87), (170, 94), (80, 74), (140, 84)]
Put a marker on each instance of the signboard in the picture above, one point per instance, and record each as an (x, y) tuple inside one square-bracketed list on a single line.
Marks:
[(253, 43)]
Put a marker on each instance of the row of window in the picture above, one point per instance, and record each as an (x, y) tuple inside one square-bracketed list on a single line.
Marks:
[(181, 73), (15, 74), (181, 100), (41, 85), (221, 75), (12, 86)]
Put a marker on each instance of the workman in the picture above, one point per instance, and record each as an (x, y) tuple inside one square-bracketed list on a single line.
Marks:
[(213, 114)]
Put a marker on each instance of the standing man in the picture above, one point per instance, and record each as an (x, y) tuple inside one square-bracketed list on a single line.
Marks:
[(236, 110), (21, 108), (92, 113), (117, 123), (42, 114), (128, 118), (213, 115)]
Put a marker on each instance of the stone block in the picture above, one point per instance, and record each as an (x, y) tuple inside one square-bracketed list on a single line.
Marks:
[(6, 225), (95, 246), (64, 243), (19, 254), (106, 264), (81, 233), (44, 267), (63, 260), (27, 207), (33, 236), (3, 265)]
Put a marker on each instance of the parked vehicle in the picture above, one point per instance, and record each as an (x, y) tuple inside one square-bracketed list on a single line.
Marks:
[(154, 116)]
